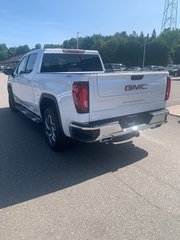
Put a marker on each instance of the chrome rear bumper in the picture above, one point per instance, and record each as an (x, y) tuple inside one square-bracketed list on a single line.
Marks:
[(99, 131)]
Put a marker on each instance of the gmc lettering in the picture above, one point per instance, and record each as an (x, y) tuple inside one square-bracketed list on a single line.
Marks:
[(136, 87)]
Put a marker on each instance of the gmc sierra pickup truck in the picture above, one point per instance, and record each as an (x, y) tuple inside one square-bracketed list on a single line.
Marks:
[(70, 93)]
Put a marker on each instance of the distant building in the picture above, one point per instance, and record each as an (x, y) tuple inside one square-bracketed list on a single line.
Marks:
[(11, 62)]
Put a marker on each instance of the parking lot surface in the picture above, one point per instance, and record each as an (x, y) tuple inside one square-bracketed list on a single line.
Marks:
[(93, 191)]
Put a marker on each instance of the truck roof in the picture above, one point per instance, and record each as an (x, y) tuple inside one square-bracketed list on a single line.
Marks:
[(69, 51), (63, 50)]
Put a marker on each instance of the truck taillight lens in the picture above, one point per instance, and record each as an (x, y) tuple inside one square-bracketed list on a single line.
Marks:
[(81, 96), (168, 88)]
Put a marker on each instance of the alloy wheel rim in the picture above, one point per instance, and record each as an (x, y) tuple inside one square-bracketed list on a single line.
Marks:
[(50, 129)]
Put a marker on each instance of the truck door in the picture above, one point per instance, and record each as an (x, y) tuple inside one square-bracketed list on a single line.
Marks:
[(22, 83), (27, 95), (18, 79)]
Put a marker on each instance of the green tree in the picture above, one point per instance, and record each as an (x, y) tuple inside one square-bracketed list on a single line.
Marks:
[(119, 48), (177, 55), (153, 37), (108, 50), (72, 43), (3, 52), (22, 50), (38, 46), (157, 53), (11, 52), (52, 46), (171, 39)]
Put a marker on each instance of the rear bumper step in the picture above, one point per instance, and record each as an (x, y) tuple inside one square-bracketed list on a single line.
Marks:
[(123, 126)]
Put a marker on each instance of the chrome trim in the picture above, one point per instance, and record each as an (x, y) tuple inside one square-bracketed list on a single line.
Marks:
[(114, 129), (113, 125)]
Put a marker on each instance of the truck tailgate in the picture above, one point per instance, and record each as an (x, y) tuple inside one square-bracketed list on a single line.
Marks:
[(119, 94)]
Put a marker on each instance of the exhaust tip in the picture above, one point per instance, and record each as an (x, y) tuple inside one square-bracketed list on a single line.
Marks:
[(106, 139)]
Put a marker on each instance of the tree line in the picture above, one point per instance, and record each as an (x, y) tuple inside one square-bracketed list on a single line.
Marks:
[(119, 48)]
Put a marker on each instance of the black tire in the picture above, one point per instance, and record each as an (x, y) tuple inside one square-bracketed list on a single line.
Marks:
[(12, 103), (54, 134)]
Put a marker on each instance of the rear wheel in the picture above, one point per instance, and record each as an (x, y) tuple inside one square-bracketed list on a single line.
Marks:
[(12, 103), (54, 134)]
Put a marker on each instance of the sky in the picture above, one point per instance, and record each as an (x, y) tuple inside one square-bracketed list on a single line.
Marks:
[(53, 21)]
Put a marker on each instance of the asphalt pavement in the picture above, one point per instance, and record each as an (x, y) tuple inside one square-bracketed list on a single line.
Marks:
[(96, 191)]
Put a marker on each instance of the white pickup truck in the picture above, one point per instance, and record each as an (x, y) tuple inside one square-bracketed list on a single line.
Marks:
[(70, 92)]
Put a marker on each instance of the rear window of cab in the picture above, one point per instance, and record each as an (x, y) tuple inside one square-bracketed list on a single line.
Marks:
[(55, 62)]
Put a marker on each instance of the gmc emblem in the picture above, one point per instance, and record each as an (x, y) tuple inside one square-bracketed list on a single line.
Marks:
[(136, 87)]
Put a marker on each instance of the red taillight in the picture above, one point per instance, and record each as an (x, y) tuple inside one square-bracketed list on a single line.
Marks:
[(168, 88), (81, 96)]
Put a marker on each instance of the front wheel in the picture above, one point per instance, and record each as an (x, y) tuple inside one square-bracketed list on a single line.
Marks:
[(54, 134)]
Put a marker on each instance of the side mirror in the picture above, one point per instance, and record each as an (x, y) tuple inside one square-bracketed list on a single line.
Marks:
[(8, 71)]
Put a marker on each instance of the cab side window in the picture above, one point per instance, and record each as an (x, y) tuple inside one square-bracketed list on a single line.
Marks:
[(31, 62), (22, 65), (27, 64)]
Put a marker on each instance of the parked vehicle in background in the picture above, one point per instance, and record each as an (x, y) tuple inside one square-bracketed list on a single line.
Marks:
[(70, 93), (154, 68), (7, 70), (114, 67), (134, 69), (4, 68), (174, 70), (1, 68), (160, 68)]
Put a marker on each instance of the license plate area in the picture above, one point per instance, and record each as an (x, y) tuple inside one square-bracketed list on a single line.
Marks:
[(135, 120)]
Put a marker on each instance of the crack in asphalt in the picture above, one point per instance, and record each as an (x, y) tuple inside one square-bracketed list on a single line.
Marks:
[(145, 199)]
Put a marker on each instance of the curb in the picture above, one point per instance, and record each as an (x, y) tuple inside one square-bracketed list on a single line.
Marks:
[(174, 115), (174, 110), (175, 79)]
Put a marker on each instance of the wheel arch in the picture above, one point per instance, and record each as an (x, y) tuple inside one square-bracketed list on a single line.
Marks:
[(48, 100)]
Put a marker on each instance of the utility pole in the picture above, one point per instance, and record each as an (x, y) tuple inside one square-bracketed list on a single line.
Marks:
[(144, 53), (77, 40), (170, 15)]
